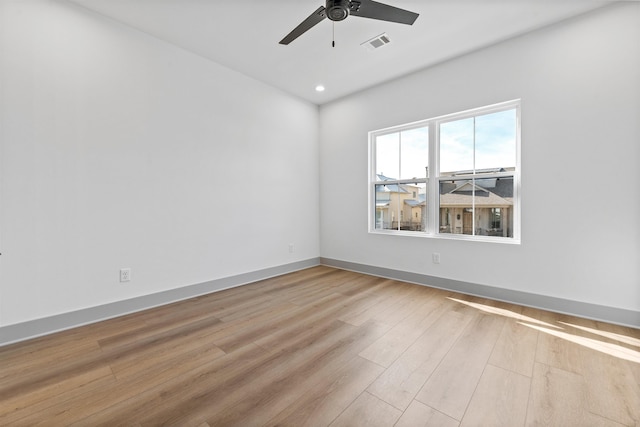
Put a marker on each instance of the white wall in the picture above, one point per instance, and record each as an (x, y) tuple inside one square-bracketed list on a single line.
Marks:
[(119, 150), (579, 82)]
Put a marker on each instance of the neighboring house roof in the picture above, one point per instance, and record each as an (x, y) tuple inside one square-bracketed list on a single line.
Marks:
[(478, 171), (414, 203), (463, 196), (464, 186), (381, 187), (394, 188), (502, 187), (489, 192), (384, 178)]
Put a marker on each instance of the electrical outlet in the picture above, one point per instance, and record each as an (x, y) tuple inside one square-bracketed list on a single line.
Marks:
[(291, 248), (435, 257), (125, 274)]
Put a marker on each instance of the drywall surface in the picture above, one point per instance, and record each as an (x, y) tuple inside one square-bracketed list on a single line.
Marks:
[(119, 150), (580, 90)]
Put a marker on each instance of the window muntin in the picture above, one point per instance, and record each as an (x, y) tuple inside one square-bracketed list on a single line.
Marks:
[(474, 192)]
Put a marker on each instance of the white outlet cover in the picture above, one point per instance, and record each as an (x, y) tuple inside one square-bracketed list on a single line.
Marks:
[(125, 274)]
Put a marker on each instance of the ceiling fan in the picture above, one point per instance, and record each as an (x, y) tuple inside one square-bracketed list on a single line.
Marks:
[(338, 10)]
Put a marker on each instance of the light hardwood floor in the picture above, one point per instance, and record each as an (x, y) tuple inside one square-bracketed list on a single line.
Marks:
[(326, 347)]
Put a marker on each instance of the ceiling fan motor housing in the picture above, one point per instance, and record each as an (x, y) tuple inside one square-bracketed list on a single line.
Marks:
[(337, 10)]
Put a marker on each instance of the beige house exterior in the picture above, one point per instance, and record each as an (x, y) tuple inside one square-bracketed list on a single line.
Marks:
[(399, 205), (472, 209), (480, 207)]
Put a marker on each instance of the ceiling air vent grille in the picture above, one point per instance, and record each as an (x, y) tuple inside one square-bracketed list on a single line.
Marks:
[(377, 42)]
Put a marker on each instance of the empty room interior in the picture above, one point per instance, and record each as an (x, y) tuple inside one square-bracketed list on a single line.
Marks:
[(399, 213)]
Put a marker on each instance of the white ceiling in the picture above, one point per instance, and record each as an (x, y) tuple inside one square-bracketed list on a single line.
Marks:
[(243, 35)]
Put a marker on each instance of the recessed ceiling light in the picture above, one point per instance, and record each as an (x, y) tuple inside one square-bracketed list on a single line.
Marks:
[(319, 88)]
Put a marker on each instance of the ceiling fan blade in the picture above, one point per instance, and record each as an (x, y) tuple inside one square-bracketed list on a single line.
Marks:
[(383, 12), (305, 25)]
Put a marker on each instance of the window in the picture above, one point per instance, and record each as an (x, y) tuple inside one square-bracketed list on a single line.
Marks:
[(455, 176)]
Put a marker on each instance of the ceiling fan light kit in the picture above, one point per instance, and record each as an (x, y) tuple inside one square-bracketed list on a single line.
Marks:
[(339, 10)]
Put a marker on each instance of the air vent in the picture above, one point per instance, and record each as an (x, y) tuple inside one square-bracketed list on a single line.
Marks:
[(377, 42)]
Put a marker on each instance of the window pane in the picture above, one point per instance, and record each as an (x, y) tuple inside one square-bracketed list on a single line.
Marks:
[(401, 206), (414, 151), (456, 206), (413, 212), (493, 207), (456, 146), (496, 140), (477, 206), (386, 206), (388, 157)]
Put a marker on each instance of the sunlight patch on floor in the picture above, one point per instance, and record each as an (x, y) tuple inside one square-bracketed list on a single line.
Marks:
[(611, 335), (614, 350), (503, 312)]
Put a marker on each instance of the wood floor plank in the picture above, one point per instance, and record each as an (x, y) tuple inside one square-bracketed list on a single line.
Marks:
[(559, 398), (318, 292), (395, 294), (362, 284), (368, 411), (330, 396), (499, 400), (400, 383), (281, 393), (305, 321), (400, 308), (233, 335), (230, 405), (420, 415), (140, 396), (451, 386), (553, 350), (122, 392), (158, 359), (376, 303), (15, 408), (395, 342), (28, 367), (612, 390), (515, 349), (152, 334)]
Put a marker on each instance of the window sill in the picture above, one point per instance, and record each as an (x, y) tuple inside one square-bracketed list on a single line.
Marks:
[(443, 236)]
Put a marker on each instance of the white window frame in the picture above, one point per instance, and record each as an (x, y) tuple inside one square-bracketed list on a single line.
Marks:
[(434, 178)]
